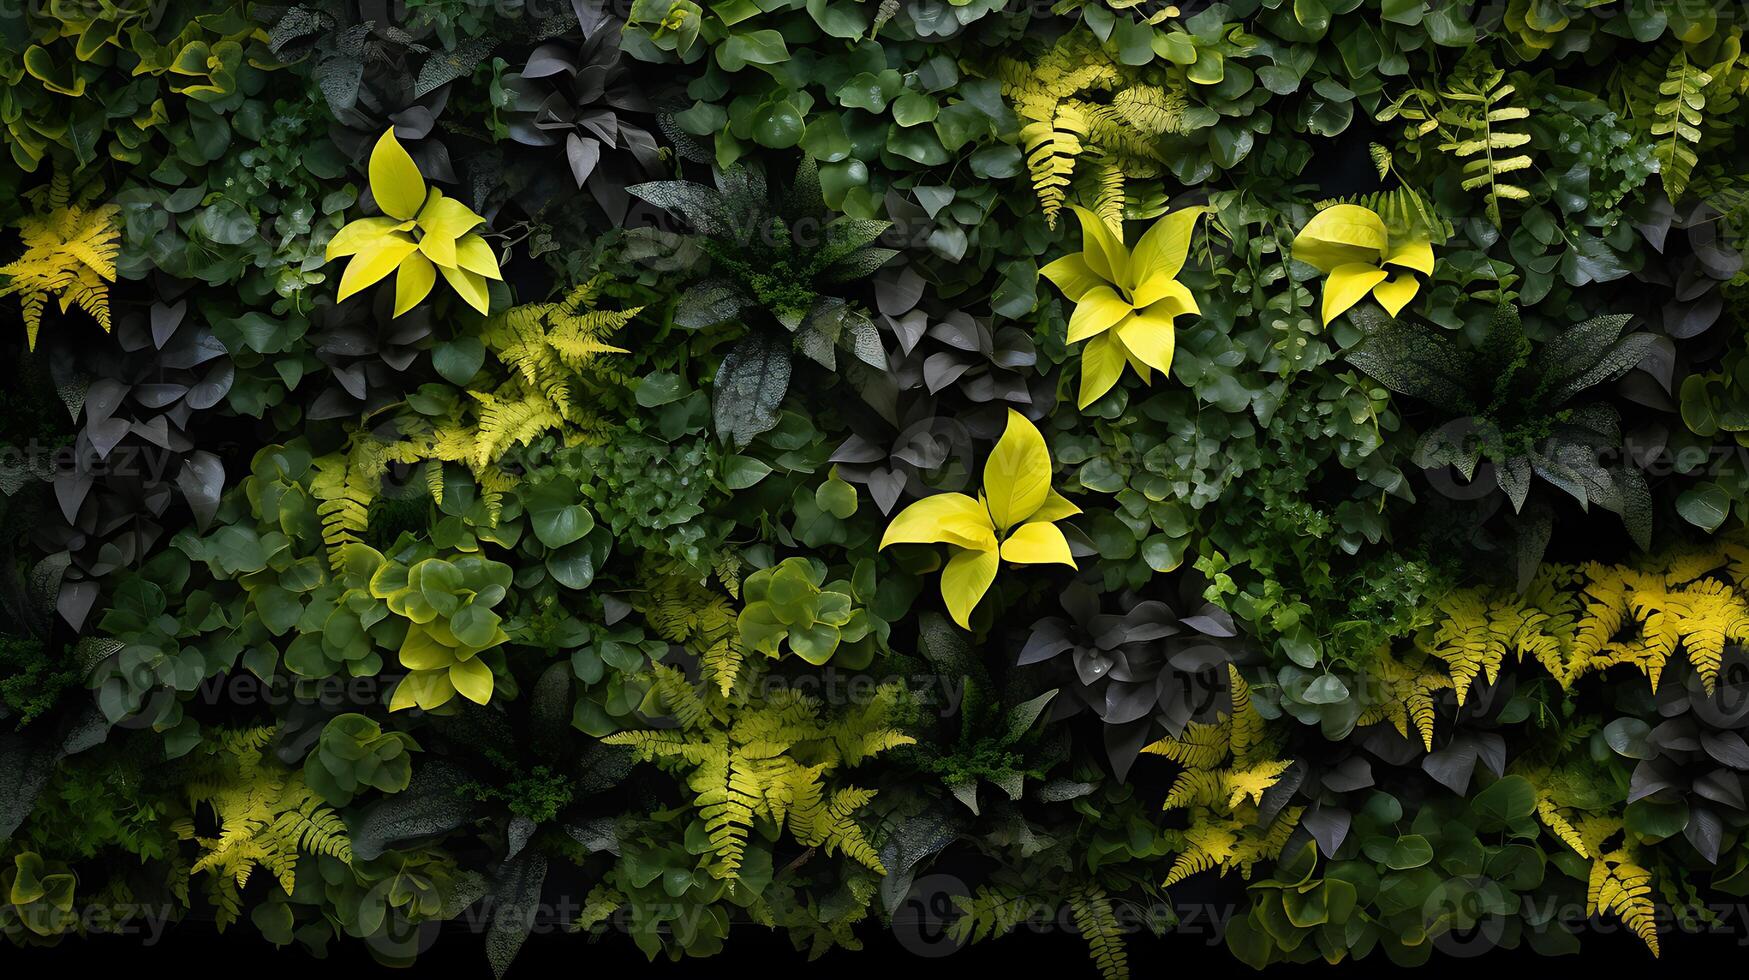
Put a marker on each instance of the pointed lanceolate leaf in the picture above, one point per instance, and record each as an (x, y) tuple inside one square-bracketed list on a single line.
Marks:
[(1104, 254), (945, 518), (1099, 309), (367, 268), (1160, 255), (1150, 339), (964, 580), (1072, 275), (470, 286), (394, 179), (473, 254), (361, 235), (413, 282), (1102, 362), (1017, 476)]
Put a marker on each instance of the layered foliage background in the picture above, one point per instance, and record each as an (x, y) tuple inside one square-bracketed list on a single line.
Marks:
[(708, 465)]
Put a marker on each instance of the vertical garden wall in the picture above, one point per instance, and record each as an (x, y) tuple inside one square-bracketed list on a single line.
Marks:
[(677, 469)]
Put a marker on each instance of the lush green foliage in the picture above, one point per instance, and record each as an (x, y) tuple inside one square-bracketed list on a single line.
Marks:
[(1281, 455)]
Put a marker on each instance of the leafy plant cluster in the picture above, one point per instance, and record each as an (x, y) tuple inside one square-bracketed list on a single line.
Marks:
[(722, 463)]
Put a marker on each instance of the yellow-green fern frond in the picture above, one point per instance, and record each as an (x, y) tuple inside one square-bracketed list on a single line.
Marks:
[(265, 815), (1051, 149), (1206, 846), (69, 255), (1098, 925), (1200, 746), (344, 494), (1404, 694), (1244, 724), (1550, 814), (1623, 889), (768, 760)]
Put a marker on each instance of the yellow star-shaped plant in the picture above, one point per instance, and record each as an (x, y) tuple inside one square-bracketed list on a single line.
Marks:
[(1125, 301), (1352, 246), (1012, 520), (421, 234)]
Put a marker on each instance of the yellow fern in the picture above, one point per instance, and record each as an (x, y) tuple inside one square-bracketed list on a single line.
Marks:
[(767, 761), (1206, 846), (1550, 814), (69, 253), (1227, 769), (682, 609), (1402, 694), (1075, 101), (1578, 619), (265, 814), (1624, 889)]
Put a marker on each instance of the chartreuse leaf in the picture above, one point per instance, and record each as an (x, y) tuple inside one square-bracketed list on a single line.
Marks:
[(1125, 303), (1159, 256), (1037, 543), (413, 282), (1352, 246), (1348, 284), (1018, 505), (1018, 473), (424, 234), (964, 580), (394, 178), (1102, 363)]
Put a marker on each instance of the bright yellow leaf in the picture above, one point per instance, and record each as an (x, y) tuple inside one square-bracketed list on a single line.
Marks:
[(447, 217), (413, 282), (1105, 256), (360, 236), (471, 286), (1055, 508), (1340, 235), (1099, 310), (473, 254), (1175, 302), (1395, 293), (366, 268), (394, 179), (964, 581), (1037, 543), (945, 518), (1150, 338), (440, 250), (1348, 284), (1159, 256), (1102, 363), (1414, 255), (1071, 275), (1017, 476)]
